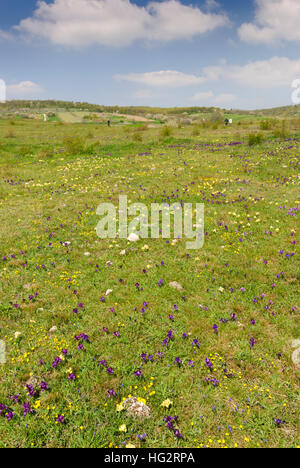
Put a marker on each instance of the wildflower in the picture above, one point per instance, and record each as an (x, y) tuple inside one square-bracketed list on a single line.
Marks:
[(15, 398), (208, 363), (123, 428), (278, 422), (178, 362), (56, 362), (31, 390), (27, 409), (167, 403), (84, 337), (120, 408), (9, 416), (252, 342), (177, 434), (170, 424), (166, 342), (44, 386)]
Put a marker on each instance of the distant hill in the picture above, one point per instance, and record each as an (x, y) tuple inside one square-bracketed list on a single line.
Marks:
[(85, 106), (28, 107)]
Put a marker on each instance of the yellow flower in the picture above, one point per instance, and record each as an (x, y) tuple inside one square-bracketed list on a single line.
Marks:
[(123, 428), (130, 446), (120, 407), (167, 403)]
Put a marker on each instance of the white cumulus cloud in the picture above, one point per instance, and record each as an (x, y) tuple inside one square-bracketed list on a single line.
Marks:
[(5, 36), (23, 89), (275, 20), (202, 96), (80, 23), (169, 78), (205, 97), (277, 72)]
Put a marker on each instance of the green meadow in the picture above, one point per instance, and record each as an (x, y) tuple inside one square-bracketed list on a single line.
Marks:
[(91, 324)]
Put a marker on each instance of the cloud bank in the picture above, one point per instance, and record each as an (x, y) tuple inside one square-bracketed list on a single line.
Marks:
[(81, 23), (275, 20), (23, 89), (169, 78)]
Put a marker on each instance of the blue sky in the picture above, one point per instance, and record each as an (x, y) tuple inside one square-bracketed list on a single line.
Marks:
[(232, 54)]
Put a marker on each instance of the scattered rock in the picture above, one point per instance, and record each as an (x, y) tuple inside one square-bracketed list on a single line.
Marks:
[(296, 357), (296, 344), (123, 252), (176, 285), (87, 254), (241, 325), (2, 352), (109, 263), (136, 408), (53, 329), (34, 381), (133, 237), (108, 292)]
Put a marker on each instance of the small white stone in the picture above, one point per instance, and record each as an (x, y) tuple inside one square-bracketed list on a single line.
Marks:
[(176, 285), (296, 344), (108, 292), (53, 329), (133, 237), (296, 357)]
